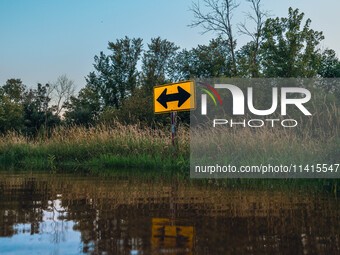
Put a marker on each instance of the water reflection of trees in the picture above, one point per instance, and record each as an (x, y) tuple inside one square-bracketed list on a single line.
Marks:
[(116, 216), (22, 201)]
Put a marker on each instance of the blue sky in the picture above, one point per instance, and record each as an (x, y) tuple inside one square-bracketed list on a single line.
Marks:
[(43, 39)]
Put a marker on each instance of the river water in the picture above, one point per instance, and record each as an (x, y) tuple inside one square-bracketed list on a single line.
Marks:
[(77, 213)]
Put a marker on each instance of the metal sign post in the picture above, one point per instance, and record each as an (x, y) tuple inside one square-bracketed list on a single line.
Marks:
[(173, 116)]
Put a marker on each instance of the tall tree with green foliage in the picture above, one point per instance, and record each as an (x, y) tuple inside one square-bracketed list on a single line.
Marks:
[(11, 98), (155, 62), (125, 55), (213, 60), (289, 50), (84, 109), (103, 80), (11, 95), (330, 65), (37, 113), (14, 90), (330, 68), (116, 74), (247, 66)]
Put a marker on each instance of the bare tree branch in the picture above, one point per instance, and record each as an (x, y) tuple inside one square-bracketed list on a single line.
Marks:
[(259, 18), (64, 88), (217, 18)]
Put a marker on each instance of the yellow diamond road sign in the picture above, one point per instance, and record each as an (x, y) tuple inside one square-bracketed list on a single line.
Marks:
[(174, 97)]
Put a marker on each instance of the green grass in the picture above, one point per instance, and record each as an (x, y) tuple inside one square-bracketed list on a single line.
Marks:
[(264, 146), (105, 149), (97, 147)]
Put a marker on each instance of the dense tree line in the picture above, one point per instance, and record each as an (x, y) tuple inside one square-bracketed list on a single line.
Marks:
[(26, 110), (120, 87)]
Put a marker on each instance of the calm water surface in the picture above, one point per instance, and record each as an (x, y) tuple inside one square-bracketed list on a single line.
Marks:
[(72, 214)]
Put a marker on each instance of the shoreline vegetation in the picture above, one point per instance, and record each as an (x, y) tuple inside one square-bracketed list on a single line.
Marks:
[(118, 150), (101, 146), (133, 146)]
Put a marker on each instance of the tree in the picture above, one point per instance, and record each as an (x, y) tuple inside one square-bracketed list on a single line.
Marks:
[(63, 89), (330, 68), (330, 65), (217, 19), (180, 66), (247, 66), (11, 96), (155, 62), (14, 89), (155, 71), (252, 49), (23, 110), (289, 50), (115, 75), (102, 78), (213, 60), (84, 109), (37, 113), (10, 114), (125, 55)]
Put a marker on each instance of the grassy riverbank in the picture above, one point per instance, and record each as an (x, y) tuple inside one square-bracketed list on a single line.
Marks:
[(100, 146), (132, 147)]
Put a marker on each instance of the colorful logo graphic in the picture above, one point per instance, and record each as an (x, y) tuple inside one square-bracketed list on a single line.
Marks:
[(209, 93)]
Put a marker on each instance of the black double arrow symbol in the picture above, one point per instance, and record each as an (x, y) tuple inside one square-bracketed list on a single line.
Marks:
[(182, 96)]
